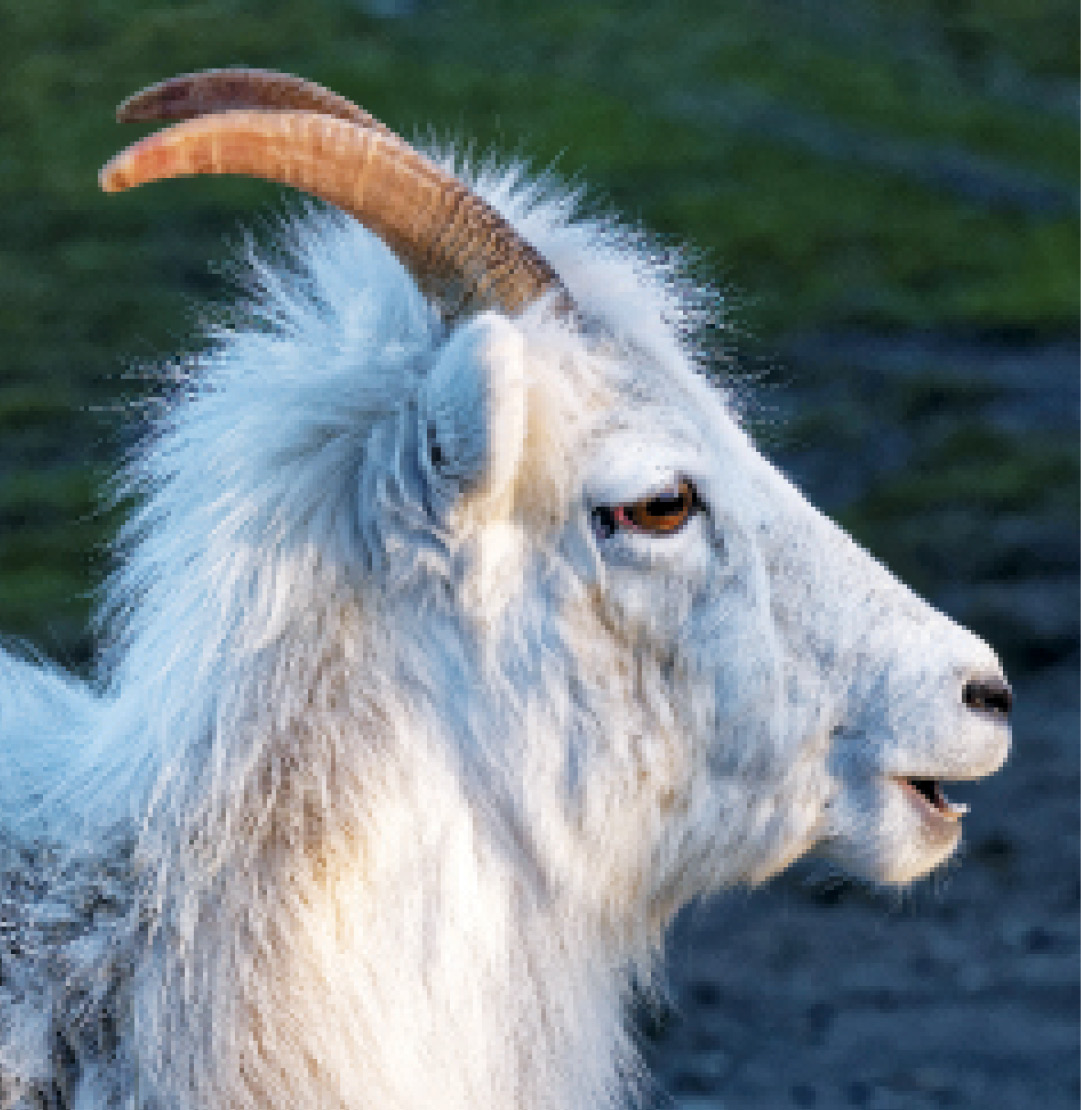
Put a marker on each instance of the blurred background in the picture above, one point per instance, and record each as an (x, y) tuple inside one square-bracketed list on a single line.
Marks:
[(887, 191)]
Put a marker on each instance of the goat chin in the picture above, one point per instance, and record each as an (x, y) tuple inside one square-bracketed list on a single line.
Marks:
[(421, 710)]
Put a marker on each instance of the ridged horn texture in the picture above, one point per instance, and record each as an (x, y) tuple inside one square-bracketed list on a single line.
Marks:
[(458, 248)]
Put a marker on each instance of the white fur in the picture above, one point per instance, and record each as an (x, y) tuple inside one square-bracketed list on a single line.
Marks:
[(407, 765)]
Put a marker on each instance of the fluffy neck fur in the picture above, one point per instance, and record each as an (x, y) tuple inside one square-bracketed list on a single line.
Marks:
[(363, 925)]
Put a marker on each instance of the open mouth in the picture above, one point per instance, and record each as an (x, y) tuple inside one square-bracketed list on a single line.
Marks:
[(927, 796)]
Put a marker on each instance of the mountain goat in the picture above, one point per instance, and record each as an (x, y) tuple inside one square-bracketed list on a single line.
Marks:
[(460, 636)]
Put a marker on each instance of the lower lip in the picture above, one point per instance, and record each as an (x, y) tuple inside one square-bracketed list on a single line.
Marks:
[(942, 819)]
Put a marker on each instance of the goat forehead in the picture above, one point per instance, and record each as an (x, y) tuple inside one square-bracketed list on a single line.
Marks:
[(655, 437), (627, 395)]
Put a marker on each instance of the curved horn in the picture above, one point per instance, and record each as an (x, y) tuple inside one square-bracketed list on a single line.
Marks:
[(220, 90), (455, 244)]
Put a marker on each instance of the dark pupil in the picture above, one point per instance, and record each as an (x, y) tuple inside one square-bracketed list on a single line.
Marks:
[(666, 504)]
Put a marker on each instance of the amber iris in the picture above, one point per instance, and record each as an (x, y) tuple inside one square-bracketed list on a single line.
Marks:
[(659, 515)]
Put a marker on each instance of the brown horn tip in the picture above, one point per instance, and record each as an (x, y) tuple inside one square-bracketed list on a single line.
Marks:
[(218, 90)]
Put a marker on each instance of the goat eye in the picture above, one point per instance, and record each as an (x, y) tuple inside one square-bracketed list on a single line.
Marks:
[(659, 515), (665, 512)]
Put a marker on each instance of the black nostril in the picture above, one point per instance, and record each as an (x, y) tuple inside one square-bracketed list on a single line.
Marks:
[(991, 694)]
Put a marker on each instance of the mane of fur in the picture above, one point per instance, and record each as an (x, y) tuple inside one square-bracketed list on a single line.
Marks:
[(273, 748)]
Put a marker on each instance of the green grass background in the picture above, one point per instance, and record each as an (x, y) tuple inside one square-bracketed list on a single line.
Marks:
[(883, 166)]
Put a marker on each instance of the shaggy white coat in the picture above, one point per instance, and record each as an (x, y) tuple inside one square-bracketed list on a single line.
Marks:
[(397, 767)]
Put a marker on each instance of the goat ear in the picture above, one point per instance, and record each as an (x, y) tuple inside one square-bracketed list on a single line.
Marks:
[(472, 413)]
